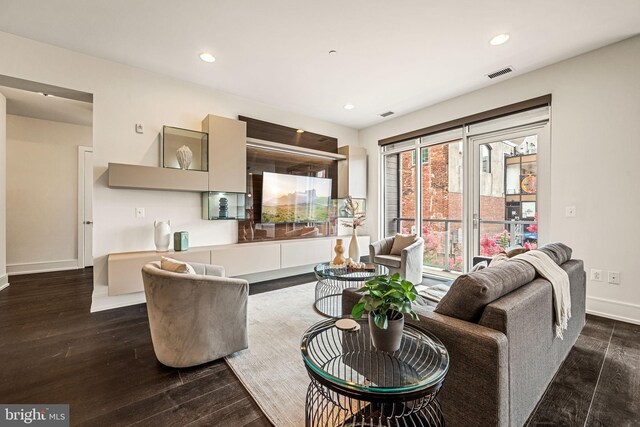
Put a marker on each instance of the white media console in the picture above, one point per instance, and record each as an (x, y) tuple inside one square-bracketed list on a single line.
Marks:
[(239, 259)]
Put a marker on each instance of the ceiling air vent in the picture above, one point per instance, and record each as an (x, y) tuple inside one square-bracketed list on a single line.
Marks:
[(387, 114), (500, 72)]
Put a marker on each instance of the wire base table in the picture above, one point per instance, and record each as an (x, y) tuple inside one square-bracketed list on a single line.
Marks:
[(354, 384), (331, 283), (326, 408)]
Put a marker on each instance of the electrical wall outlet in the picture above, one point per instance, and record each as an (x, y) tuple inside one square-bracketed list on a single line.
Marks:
[(570, 211), (614, 277), (596, 275), (140, 213)]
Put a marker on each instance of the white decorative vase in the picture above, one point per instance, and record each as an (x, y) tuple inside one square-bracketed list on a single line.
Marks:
[(354, 247), (162, 235), (184, 156)]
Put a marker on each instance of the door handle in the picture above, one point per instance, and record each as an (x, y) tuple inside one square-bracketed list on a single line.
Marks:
[(87, 222), (476, 220)]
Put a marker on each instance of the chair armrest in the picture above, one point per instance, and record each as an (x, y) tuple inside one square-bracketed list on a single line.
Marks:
[(411, 261), (208, 269)]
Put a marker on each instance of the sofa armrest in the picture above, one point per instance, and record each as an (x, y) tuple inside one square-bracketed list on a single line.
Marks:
[(208, 269), (476, 389)]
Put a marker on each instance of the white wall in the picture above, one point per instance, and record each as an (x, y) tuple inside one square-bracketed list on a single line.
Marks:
[(42, 193), (3, 203), (124, 96), (594, 162)]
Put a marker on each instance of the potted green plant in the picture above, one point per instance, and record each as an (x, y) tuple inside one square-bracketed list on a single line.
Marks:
[(387, 299)]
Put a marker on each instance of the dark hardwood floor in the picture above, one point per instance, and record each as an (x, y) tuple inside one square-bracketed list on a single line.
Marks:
[(52, 350)]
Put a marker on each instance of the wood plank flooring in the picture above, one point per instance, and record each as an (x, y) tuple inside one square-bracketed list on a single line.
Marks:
[(53, 350)]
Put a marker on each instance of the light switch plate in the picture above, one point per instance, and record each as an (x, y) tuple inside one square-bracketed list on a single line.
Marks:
[(139, 128), (140, 213)]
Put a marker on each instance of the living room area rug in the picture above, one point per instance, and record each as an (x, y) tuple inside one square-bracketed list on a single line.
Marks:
[(271, 369)]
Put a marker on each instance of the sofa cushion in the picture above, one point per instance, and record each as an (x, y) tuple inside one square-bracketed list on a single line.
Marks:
[(559, 252), (400, 242), (388, 260), (173, 265), (470, 293)]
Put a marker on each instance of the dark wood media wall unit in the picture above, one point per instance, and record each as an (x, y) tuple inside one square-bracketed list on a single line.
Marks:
[(262, 159)]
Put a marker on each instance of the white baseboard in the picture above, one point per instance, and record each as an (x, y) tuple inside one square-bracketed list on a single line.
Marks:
[(4, 281), (100, 300), (612, 309), (42, 267)]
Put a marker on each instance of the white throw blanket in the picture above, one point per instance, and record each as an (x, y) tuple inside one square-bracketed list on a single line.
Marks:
[(559, 279), (433, 293)]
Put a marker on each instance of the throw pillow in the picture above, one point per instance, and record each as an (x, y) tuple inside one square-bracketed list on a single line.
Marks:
[(470, 293), (173, 265), (559, 252), (400, 242), (516, 251)]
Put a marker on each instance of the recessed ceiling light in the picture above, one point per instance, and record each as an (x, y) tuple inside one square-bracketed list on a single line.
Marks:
[(349, 106), (207, 57), (300, 131), (499, 39)]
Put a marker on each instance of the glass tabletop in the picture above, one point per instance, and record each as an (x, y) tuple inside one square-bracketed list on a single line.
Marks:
[(325, 270), (348, 359)]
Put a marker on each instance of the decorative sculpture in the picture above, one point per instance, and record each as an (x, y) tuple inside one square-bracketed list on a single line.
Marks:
[(224, 207), (339, 249), (184, 156)]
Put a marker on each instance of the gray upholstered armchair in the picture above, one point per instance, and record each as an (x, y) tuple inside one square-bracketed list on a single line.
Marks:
[(408, 263), (195, 318)]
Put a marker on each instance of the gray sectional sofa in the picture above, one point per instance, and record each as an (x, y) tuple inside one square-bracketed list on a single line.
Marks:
[(498, 326)]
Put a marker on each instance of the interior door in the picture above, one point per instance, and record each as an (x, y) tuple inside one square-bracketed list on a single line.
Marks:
[(508, 189), (88, 209)]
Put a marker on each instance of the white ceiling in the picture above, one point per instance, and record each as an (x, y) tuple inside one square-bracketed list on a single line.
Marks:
[(392, 55), (32, 104)]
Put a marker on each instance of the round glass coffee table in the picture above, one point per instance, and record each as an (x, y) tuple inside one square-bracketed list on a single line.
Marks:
[(353, 384), (332, 281)]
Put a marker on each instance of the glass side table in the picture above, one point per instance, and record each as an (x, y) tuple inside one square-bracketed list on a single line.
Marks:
[(332, 281), (352, 383)]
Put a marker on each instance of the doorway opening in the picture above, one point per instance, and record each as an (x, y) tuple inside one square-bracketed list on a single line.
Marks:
[(49, 176)]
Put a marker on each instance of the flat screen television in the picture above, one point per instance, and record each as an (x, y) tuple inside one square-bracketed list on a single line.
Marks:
[(294, 198)]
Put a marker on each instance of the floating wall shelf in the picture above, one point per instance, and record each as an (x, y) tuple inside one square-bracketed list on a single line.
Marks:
[(155, 178)]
